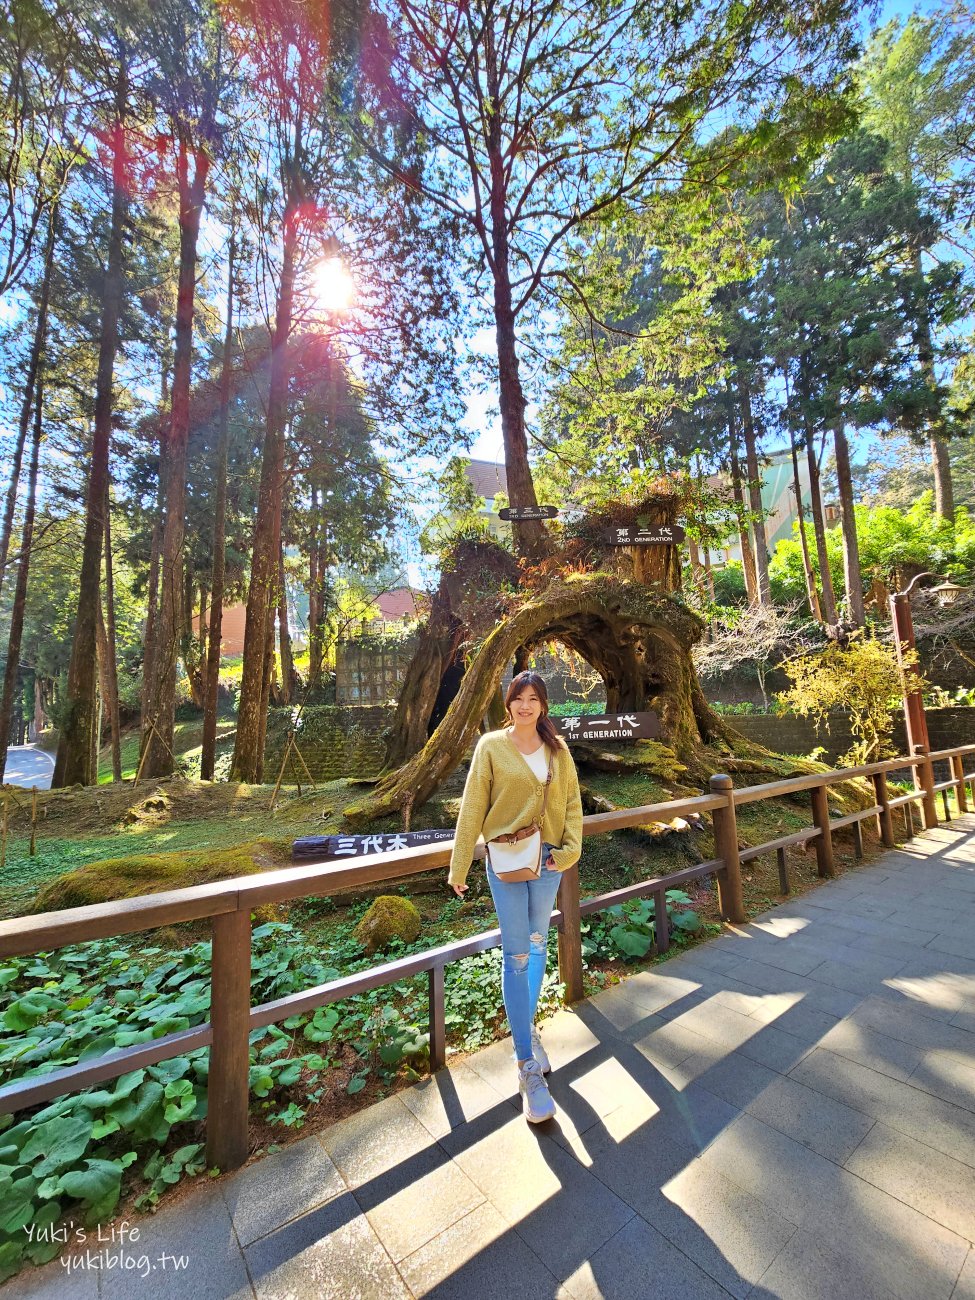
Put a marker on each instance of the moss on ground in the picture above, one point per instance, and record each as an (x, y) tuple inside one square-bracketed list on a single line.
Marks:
[(153, 873)]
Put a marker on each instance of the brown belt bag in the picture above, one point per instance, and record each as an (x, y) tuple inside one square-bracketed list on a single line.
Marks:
[(517, 857)]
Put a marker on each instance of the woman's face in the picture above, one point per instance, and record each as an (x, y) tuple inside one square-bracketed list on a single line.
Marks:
[(526, 707)]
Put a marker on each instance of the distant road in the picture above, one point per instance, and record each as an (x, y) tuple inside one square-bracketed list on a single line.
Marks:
[(27, 765)]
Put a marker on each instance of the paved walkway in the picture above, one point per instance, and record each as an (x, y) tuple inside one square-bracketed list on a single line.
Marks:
[(788, 1111), (27, 766)]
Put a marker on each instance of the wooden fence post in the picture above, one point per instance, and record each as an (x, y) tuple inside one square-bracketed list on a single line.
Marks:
[(882, 799), (570, 936), (924, 780), (958, 772), (824, 840), (438, 1027), (730, 898), (230, 1004)]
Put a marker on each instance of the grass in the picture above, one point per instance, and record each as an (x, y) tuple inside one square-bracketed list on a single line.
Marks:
[(187, 746)]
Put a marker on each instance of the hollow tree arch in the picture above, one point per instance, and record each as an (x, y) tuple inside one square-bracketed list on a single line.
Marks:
[(639, 639), (476, 589)]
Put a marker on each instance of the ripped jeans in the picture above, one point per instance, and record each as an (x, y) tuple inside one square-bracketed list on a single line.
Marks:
[(524, 912)]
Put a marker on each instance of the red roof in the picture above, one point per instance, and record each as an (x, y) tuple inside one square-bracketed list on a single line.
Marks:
[(399, 603)]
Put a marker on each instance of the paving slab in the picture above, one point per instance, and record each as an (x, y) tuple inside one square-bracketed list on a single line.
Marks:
[(640, 1262), (941, 1188), (905, 1250), (331, 1251), (481, 1257), (272, 1191), (949, 1129), (947, 1077), (965, 1286)]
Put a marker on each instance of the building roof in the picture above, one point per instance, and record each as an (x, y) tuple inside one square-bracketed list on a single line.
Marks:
[(488, 477), (399, 603)]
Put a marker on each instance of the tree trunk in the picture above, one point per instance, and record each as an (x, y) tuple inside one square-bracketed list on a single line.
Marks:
[(15, 638), (284, 635), (104, 681), (40, 710), (152, 595), (851, 548), (531, 537), (203, 634), (812, 593), (744, 541), (262, 591), (212, 679), (110, 672), (828, 602), (158, 724), (755, 495), (315, 598), (944, 496), (944, 492), (34, 363), (74, 762)]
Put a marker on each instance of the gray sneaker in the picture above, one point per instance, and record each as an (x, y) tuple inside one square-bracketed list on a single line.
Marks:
[(536, 1099), (539, 1052)]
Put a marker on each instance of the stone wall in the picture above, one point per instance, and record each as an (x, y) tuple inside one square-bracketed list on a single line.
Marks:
[(370, 669), (335, 741), (788, 734)]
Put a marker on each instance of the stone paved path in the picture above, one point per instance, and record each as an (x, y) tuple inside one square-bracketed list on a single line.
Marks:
[(788, 1111)]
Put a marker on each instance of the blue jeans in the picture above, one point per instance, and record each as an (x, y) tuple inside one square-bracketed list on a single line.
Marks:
[(524, 912)]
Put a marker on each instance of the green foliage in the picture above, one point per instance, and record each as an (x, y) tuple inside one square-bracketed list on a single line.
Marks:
[(892, 543), (577, 708), (628, 930), (474, 1007), (862, 682)]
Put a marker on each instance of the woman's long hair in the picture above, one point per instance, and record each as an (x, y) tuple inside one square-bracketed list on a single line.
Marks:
[(544, 726)]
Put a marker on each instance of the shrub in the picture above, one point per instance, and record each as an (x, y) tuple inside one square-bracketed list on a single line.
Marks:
[(862, 682)]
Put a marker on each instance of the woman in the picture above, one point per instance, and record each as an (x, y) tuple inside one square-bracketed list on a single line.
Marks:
[(521, 777)]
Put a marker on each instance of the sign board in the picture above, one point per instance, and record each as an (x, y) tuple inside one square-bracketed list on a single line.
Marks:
[(609, 726), (328, 848), (655, 535), (523, 514)]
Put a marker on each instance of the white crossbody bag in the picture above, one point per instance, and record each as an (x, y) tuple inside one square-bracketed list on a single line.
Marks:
[(517, 857)]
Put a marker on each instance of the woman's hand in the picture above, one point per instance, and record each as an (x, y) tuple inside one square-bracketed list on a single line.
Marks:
[(459, 890), (550, 863)]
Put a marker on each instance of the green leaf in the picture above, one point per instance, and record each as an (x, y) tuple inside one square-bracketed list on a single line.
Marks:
[(92, 1185), (97, 1047), (25, 1013), (11, 1255), (60, 1142), (141, 1114), (356, 1084), (632, 942), (18, 1204), (40, 1249), (688, 921)]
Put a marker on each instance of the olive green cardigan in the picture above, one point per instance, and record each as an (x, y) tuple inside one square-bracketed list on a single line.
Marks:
[(503, 794)]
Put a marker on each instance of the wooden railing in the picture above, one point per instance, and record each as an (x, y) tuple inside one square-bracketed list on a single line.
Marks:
[(229, 905)]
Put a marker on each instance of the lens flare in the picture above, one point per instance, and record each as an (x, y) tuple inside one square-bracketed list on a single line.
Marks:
[(334, 286)]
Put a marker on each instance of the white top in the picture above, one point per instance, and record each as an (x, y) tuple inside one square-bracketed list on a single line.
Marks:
[(538, 762)]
